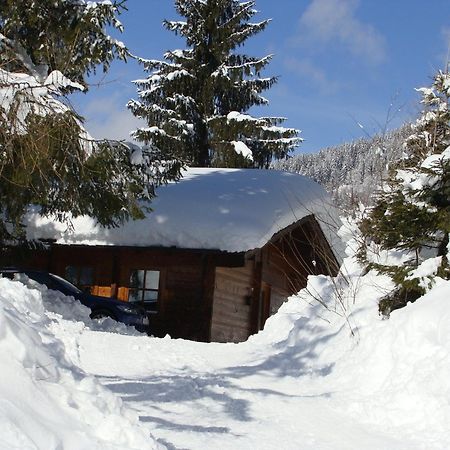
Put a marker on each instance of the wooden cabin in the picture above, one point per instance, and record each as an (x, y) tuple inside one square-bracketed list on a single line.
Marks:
[(200, 292)]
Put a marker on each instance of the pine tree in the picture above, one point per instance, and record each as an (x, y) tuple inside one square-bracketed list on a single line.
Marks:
[(413, 212), (47, 48), (196, 100), (64, 35)]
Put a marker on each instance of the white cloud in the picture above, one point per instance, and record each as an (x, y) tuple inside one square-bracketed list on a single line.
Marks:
[(109, 118), (306, 68), (326, 21), (446, 34)]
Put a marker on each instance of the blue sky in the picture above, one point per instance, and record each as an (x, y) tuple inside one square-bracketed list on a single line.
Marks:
[(341, 64)]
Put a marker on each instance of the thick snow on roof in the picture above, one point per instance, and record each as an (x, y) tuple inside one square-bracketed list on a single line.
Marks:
[(226, 209)]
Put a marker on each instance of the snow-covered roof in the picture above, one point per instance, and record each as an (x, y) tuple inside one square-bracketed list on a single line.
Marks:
[(226, 209)]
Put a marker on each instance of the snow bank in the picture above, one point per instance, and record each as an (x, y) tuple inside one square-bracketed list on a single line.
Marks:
[(46, 402), (227, 209), (391, 373)]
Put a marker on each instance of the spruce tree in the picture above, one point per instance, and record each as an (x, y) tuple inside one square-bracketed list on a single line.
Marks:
[(65, 35), (47, 159), (412, 213), (196, 100)]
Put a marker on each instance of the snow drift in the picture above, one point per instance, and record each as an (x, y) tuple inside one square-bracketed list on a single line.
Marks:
[(46, 402), (393, 372)]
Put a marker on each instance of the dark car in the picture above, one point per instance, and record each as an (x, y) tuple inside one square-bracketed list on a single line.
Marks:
[(100, 307)]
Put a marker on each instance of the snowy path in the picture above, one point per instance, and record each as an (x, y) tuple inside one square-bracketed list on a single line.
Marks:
[(314, 379), (225, 396)]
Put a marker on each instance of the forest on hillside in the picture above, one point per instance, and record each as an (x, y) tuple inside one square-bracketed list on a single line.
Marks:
[(353, 171)]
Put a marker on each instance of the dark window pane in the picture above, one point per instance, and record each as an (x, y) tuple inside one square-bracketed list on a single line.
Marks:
[(150, 296), (152, 279), (137, 278), (86, 276), (134, 279), (134, 295), (71, 274), (48, 281)]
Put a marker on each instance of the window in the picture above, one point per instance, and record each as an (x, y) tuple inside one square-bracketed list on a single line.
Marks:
[(80, 276), (144, 287)]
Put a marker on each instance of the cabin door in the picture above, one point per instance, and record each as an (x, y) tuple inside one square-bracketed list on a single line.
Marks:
[(264, 304)]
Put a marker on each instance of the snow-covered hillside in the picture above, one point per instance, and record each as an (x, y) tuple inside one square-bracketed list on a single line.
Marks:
[(320, 376), (351, 172)]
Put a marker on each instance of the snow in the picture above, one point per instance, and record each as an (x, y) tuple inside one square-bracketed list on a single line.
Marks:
[(426, 91), (154, 130), (226, 209), (239, 117), (27, 95), (22, 95), (330, 376), (435, 159), (46, 402), (224, 69), (351, 172), (178, 53), (433, 165), (274, 129), (241, 149), (177, 74), (56, 81), (426, 271)]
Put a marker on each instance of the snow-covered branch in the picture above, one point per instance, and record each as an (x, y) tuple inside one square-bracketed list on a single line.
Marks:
[(20, 54)]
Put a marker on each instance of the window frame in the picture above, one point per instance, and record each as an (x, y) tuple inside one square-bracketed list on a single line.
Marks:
[(141, 290)]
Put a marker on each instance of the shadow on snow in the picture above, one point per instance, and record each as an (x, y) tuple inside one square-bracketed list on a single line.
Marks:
[(207, 392)]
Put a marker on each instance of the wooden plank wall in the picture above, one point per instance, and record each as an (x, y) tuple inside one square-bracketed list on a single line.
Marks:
[(26, 258), (183, 305), (231, 315), (289, 258), (286, 264)]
